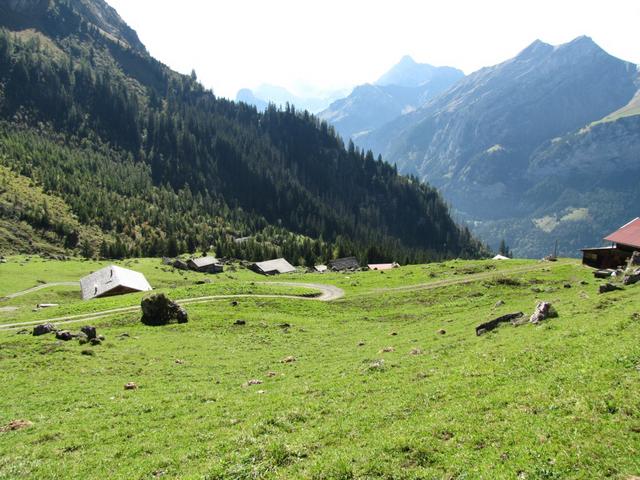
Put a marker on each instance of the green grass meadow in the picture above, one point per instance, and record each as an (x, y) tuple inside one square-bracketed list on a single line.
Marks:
[(375, 390)]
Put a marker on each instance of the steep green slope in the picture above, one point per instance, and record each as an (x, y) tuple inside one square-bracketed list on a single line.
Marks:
[(282, 168)]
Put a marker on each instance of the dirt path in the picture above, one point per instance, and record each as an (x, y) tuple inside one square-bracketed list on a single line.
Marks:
[(40, 287), (328, 293), (476, 277)]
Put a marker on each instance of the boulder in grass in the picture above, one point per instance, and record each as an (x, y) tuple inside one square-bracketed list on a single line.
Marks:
[(608, 287), (544, 310), (632, 278), (492, 324), (65, 336), (90, 332), (43, 329), (158, 309)]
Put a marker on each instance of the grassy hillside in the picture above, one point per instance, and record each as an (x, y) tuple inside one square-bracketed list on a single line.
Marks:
[(557, 400)]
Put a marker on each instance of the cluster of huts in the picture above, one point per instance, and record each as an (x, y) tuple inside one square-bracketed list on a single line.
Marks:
[(114, 280)]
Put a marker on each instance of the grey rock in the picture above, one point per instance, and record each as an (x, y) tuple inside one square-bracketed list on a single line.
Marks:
[(488, 326), (544, 310), (157, 309), (43, 329), (89, 331), (64, 335), (608, 287)]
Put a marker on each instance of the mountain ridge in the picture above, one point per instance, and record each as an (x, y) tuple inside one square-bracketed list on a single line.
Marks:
[(401, 90), (476, 140)]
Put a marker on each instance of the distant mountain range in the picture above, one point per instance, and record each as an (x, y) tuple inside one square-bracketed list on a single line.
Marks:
[(402, 90), (265, 94), (542, 147)]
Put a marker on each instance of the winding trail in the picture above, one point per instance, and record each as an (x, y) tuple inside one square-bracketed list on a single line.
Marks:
[(39, 287), (475, 277), (328, 293)]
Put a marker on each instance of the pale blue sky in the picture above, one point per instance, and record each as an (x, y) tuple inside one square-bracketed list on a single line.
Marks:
[(341, 43)]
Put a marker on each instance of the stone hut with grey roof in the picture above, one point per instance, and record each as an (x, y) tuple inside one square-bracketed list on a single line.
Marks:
[(113, 280)]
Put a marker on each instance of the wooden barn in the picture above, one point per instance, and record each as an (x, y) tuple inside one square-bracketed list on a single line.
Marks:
[(205, 265), (273, 267), (624, 242), (383, 266), (343, 264), (111, 281)]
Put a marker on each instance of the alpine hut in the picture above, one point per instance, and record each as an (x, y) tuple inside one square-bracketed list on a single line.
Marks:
[(205, 265), (273, 267), (343, 264), (624, 242), (383, 266), (113, 280)]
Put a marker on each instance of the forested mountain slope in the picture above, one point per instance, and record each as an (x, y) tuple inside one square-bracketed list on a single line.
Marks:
[(159, 164)]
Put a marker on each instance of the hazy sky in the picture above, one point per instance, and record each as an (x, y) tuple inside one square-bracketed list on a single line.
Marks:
[(340, 43)]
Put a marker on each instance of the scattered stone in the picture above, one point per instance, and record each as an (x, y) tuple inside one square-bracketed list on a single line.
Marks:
[(415, 351), (180, 362), (584, 282), (488, 326), (123, 335), (64, 335), (393, 334), (95, 341), (48, 305), (271, 374), (157, 310), (16, 425), (130, 386), (234, 303), (24, 331), (376, 365), (284, 325), (254, 382), (608, 287), (387, 350), (632, 278), (499, 303), (261, 392), (567, 285), (88, 353), (240, 322), (361, 344), (442, 331), (102, 337), (203, 282), (43, 329), (83, 340), (543, 311), (289, 359), (90, 332), (607, 273)]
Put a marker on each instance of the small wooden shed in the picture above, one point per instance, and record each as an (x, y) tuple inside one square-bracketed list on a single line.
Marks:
[(343, 264), (273, 267), (206, 265)]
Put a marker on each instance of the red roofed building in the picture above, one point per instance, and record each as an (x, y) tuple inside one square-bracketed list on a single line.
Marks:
[(624, 241), (627, 236)]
